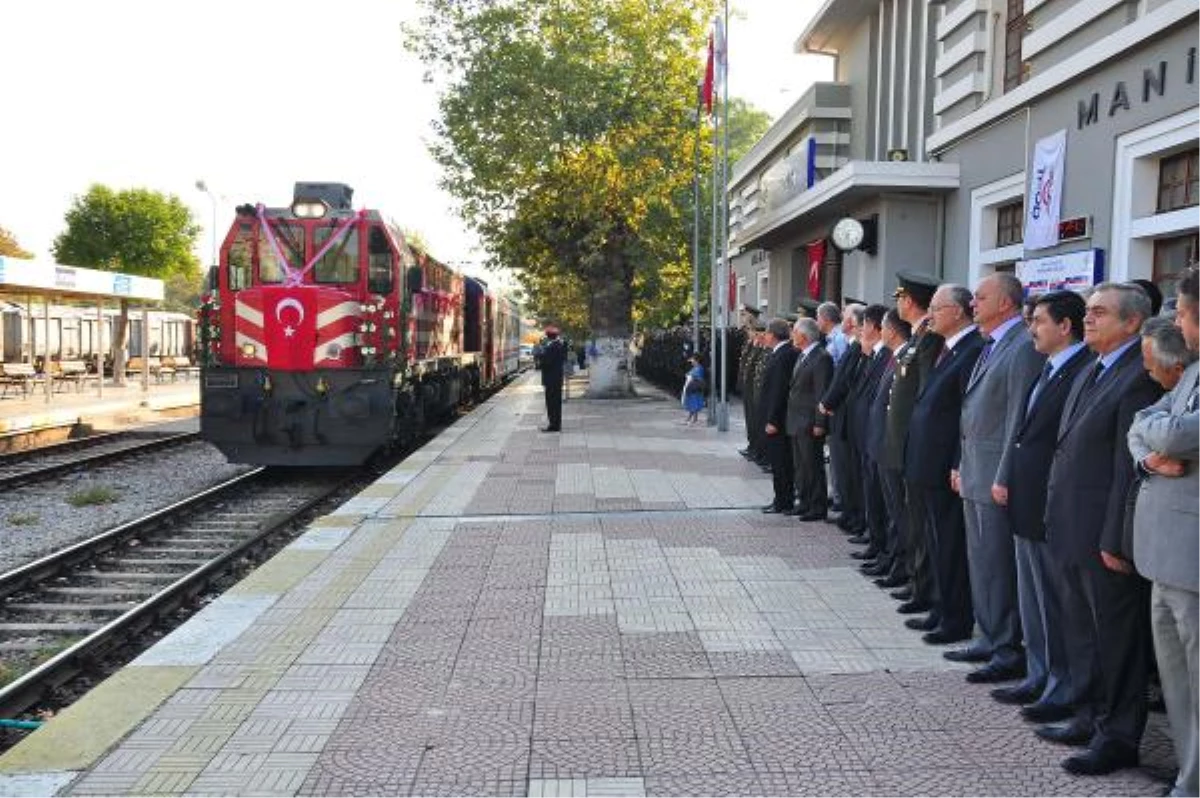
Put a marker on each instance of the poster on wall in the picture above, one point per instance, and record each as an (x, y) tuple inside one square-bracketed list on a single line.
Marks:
[(1044, 202), (1075, 271), (816, 256)]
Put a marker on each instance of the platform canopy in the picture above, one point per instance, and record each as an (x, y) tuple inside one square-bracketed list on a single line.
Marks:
[(44, 277)]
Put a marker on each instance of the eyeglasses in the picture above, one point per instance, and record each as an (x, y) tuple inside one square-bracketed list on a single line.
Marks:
[(936, 308)]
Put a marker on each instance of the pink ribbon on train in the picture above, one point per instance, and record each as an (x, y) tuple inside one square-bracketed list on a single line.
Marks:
[(293, 277)]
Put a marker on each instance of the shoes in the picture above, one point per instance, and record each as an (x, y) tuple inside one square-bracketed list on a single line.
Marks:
[(1073, 732), (996, 673), (550, 429), (814, 516), (1018, 694), (878, 569), (903, 594), (860, 540), (912, 606), (926, 624), (940, 637), (1109, 757), (967, 655), (771, 509), (1046, 713), (865, 554), (793, 511), (749, 455)]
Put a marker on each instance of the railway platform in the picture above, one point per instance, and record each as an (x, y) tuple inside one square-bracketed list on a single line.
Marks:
[(23, 415), (602, 611)]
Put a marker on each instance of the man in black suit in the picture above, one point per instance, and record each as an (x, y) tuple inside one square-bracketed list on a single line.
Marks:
[(1048, 687), (772, 411), (890, 563), (913, 367), (876, 357), (933, 450), (552, 360), (805, 426), (841, 459), (1107, 603)]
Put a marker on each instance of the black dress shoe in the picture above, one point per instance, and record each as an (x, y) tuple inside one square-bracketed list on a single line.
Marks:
[(1109, 757), (989, 674), (793, 511), (865, 554), (749, 455), (967, 655), (911, 607), (1046, 713), (770, 508), (925, 624), (878, 569), (940, 637), (903, 594), (1018, 694), (550, 429), (860, 540), (1071, 733), (814, 516)]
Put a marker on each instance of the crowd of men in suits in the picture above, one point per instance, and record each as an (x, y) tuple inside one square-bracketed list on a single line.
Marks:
[(1023, 475)]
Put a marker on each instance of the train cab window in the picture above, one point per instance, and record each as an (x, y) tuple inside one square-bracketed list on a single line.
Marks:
[(340, 263), (239, 258), (380, 267), (290, 238)]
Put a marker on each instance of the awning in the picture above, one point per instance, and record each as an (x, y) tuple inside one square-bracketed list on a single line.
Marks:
[(46, 278)]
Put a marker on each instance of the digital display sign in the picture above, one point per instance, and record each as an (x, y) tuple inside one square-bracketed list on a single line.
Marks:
[(1072, 229)]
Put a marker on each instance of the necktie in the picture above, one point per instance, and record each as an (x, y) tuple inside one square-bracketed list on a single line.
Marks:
[(1192, 400), (983, 356), (942, 356), (1047, 370), (1090, 386)]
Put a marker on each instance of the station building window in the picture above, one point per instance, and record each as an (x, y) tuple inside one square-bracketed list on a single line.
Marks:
[(1178, 181), (1014, 35), (764, 285), (997, 228), (1010, 219)]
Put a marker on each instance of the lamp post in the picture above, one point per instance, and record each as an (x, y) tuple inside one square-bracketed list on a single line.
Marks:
[(203, 186)]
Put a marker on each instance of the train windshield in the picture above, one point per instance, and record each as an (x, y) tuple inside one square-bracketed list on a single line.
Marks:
[(340, 263), (290, 238)]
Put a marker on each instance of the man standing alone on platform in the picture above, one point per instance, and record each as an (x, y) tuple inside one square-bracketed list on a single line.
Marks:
[(772, 407), (554, 357)]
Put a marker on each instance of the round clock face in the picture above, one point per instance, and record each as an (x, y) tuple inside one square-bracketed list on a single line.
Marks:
[(847, 234)]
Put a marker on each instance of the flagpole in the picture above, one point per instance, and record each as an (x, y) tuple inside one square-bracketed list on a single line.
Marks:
[(714, 289), (723, 60), (696, 227)]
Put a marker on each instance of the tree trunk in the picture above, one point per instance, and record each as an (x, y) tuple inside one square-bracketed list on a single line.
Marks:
[(610, 315), (120, 344)]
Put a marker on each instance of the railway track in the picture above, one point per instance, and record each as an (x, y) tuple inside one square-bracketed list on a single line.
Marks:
[(48, 462), (61, 614)]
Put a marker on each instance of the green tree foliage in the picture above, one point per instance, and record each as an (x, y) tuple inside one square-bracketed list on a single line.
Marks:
[(9, 246), (567, 134), (136, 231)]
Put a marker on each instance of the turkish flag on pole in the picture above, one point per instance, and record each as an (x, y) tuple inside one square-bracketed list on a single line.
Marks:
[(816, 256), (707, 91), (732, 289)]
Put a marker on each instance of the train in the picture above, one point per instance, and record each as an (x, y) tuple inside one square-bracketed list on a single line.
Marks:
[(326, 337)]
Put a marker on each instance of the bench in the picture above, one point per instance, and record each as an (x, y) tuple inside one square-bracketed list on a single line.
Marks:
[(159, 371), (71, 372), (181, 365), (19, 375)]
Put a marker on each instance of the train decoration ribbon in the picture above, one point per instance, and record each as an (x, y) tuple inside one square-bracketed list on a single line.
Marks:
[(292, 276)]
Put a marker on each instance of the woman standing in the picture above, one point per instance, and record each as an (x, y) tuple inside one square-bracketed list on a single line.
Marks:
[(693, 389)]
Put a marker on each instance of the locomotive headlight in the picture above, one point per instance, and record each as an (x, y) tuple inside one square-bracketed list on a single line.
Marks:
[(249, 350), (387, 314), (309, 209), (322, 386)]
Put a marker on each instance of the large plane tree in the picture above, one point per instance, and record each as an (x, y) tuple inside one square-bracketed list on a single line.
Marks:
[(566, 134)]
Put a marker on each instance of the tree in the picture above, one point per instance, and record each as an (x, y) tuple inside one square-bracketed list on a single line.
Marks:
[(565, 135), (136, 231), (9, 246)]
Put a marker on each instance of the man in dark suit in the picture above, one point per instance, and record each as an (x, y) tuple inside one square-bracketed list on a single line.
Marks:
[(933, 450), (805, 426), (841, 459), (772, 411), (1007, 366), (889, 565), (913, 367), (552, 360), (862, 397), (1107, 602), (1048, 687)]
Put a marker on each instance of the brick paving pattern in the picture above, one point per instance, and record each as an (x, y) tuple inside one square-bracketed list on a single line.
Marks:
[(598, 613)]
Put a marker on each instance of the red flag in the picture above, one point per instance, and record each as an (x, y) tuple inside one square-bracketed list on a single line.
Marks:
[(707, 90), (732, 289), (816, 255)]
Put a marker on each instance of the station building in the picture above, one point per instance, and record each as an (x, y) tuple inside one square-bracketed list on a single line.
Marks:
[(921, 153)]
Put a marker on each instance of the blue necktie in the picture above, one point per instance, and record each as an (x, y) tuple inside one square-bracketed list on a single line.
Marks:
[(1047, 370)]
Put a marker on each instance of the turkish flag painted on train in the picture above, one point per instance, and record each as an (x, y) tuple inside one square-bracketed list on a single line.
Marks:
[(290, 326)]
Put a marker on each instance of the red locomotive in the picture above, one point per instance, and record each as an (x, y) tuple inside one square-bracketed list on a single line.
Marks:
[(327, 336)]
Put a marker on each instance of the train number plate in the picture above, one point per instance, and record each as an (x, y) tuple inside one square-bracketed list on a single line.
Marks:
[(220, 380)]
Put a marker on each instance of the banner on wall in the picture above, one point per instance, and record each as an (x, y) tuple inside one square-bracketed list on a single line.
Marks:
[(816, 256), (1074, 271), (1044, 202)]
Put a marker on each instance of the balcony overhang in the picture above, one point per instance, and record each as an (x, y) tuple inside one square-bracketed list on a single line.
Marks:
[(845, 189), (826, 32)]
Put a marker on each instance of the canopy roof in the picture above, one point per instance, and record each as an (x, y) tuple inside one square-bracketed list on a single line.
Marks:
[(46, 278)]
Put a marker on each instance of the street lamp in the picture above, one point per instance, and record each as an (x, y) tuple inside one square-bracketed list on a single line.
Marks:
[(202, 186)]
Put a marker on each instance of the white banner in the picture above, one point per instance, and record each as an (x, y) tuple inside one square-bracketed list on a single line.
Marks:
[(1044, 202), (1076, 271)]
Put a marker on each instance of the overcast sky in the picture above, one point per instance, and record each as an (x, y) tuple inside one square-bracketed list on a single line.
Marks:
[(252, 96)]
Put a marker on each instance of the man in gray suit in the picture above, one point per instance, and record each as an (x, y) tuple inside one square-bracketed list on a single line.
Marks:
[(991, 409), (805, 426), (1163, 440)]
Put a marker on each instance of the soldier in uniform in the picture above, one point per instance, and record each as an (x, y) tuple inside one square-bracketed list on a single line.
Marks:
[(745, 363), (761, 352), (913, 366)]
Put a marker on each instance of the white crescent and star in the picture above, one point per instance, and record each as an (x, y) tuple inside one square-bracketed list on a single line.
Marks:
[(284, 304)]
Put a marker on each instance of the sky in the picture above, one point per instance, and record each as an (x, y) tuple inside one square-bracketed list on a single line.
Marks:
[(252, 96)]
